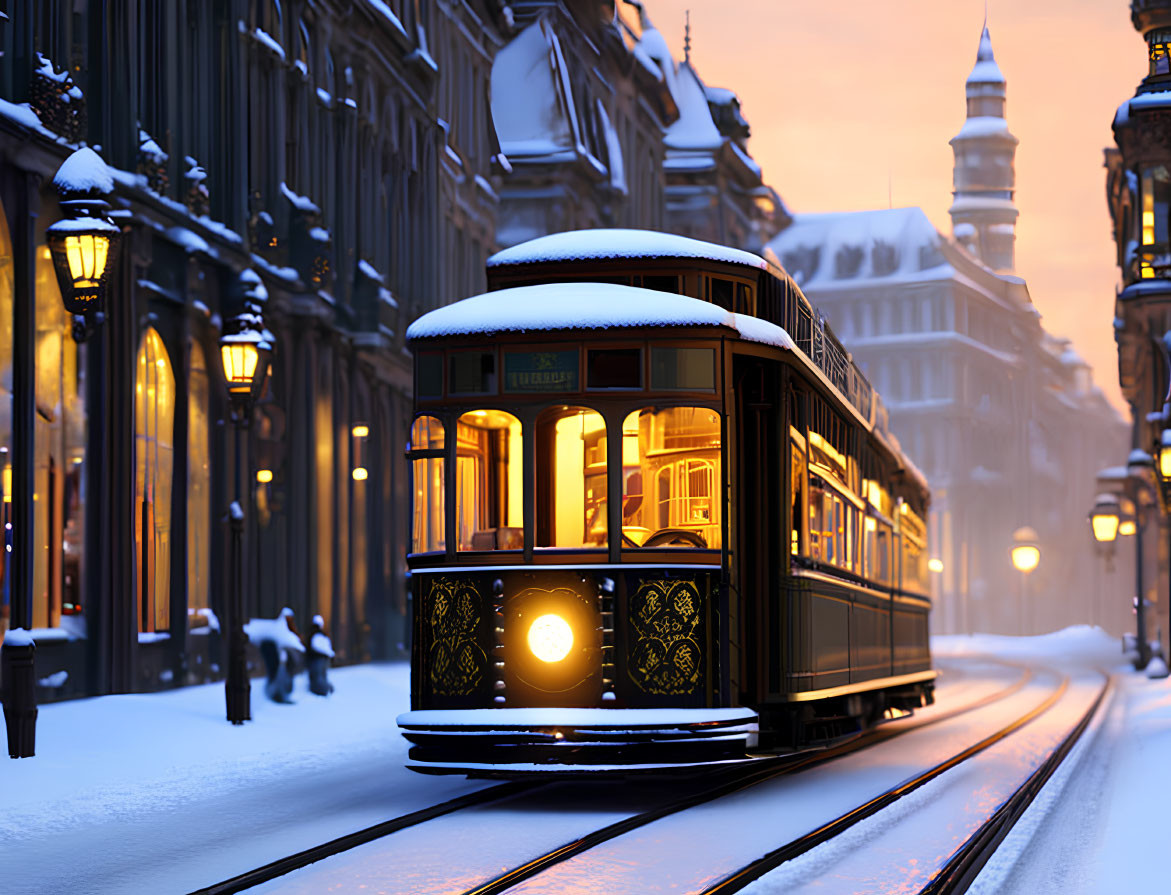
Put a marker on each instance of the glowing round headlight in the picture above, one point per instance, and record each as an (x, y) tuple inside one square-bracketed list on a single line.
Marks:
[(550, 638)]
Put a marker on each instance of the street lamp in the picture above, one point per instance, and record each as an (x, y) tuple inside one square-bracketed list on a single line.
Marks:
[(244, 354), (84, 244), (1105, 519), (1026, 556)]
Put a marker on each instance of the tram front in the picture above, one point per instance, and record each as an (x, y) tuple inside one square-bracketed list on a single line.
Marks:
[(568, 524)]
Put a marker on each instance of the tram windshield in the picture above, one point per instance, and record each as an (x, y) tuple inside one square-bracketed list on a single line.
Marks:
[(571, 478), (671, 474)]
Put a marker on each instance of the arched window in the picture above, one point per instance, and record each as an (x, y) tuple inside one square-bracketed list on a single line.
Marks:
[(488, 505), (428, 519), (154, 416), (571, 478), (671, 478), (59, 430), (198, 489), (7, 291)]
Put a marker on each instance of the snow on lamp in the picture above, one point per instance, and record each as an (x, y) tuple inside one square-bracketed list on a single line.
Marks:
[(84, 244)]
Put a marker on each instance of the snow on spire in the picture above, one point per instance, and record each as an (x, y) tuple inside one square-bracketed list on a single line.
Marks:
[(985, 71)]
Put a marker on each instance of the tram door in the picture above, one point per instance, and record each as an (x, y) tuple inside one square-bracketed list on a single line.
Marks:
[(758, 497)]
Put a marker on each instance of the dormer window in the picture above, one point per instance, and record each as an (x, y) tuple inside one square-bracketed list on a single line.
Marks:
[(1159, 44)]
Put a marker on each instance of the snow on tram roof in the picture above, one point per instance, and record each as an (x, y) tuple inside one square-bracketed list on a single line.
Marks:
[(558, 306), (589, 245)]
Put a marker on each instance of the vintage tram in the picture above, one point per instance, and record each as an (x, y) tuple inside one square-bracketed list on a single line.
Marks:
[(658, 518)]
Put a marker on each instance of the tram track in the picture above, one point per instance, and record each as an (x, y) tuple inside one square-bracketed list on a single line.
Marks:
[(768, 769), (728, 781)]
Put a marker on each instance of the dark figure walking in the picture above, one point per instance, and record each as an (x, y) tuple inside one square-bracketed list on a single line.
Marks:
[(277, 640), (317, 657)]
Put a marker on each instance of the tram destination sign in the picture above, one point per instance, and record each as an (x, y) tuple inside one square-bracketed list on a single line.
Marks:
[(541, 371)]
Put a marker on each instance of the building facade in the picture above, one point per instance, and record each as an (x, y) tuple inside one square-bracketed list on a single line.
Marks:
[(1001, 416), (1138, 192), (287, 153)]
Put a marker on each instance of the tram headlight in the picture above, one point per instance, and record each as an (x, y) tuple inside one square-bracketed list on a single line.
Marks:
[(550, 638)]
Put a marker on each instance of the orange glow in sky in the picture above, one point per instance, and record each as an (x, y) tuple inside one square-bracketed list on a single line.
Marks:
[(852, 105)]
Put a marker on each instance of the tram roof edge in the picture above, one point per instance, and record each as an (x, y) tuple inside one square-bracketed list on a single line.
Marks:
[(603, 243), (581, 306)]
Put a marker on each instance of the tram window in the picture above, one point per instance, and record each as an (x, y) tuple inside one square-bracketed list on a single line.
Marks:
[(719, 292), (571, 478), (660, 283), (488, 481), (797, 486), (878, 538), (429, 375), (834, 536), (743, 299), (671, 478), (428, 521), (472, 373), (683, 369), (614, 368)]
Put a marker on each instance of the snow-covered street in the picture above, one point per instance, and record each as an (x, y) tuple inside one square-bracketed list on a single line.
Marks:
[(157, 793)]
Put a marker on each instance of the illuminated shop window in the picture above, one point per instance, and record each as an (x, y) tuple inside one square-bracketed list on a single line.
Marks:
[(571, 478), (7, 292), (488, 504), (671, 478), (154, 417), (198, 489), (428, 520)]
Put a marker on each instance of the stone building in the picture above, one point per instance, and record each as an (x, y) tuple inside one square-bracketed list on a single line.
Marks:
[(1002, 417), (613, 132), (286, 153), (1138, 192)]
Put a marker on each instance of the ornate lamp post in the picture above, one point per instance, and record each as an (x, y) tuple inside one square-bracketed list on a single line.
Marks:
[(84, 244), (1026, 556), (244, 353)]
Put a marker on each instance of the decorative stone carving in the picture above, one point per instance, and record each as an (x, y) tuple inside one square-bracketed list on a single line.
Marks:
[(58, 101)]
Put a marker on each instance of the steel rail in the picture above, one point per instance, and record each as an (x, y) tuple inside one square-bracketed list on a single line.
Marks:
[(966, 863), (758, 868), (737, 779), (281, 866), (761, 770)]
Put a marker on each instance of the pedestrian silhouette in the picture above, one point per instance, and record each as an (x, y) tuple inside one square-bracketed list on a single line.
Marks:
[(276, 639), (318, 656)]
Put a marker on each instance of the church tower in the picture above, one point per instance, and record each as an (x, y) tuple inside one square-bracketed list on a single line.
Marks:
[(983, 215)]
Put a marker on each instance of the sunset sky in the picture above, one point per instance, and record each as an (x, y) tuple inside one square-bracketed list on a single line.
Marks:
[(845, 98)]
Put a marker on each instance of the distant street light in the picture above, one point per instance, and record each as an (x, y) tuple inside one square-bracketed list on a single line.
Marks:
[(935, 565), (1105, 519), (1026, 556)]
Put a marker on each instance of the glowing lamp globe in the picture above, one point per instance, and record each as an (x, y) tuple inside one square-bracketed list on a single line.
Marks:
[(1026, 555), (1165, 456), (1105, 519), (244, 357), (84, 249)]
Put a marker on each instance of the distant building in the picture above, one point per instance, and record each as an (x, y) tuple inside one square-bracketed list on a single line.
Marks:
[(612, 132), (1002, 417)]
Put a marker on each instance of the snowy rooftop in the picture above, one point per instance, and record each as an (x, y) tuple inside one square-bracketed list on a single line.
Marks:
[(566, 306), (591, 245), (694, 129), (819, 249)]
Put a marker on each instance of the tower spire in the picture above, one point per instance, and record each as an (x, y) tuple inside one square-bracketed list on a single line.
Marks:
[(983, 214), (687, 35)]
